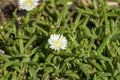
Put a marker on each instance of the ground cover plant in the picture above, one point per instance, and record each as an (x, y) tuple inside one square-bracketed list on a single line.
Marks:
[(61, 40)]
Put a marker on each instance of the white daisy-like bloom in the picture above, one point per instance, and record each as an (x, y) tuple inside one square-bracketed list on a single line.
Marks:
[(57, 42), (28, 4)]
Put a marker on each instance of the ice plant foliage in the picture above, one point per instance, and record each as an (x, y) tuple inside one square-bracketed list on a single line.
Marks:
[(57, 42), (28, 4)]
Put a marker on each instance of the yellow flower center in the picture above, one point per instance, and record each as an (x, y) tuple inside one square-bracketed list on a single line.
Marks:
[(28, 3), (57, 43)]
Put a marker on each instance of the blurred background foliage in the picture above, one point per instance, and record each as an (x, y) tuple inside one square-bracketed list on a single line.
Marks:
[(92, 53)]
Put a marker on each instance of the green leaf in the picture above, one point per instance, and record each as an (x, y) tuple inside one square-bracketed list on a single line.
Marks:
[(71, 74), (102, 46), (85, 69), (32, 72), (4, 57), (35, 58), (118, 77), (9, 63), (69, 59), (103, 75), (62, 16), (14, 76), (98, 66), (76, 44), (29, 43), (48, 59), (48, 69), (21, 44)]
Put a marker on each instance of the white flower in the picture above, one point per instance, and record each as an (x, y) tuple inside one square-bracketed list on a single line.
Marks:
[(28, 4), (57, 42)]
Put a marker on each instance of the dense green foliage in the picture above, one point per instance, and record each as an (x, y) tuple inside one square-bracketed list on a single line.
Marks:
[(92, 53)]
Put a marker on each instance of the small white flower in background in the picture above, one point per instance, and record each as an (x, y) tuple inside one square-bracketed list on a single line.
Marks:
[(57, 42), (28, 4)]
